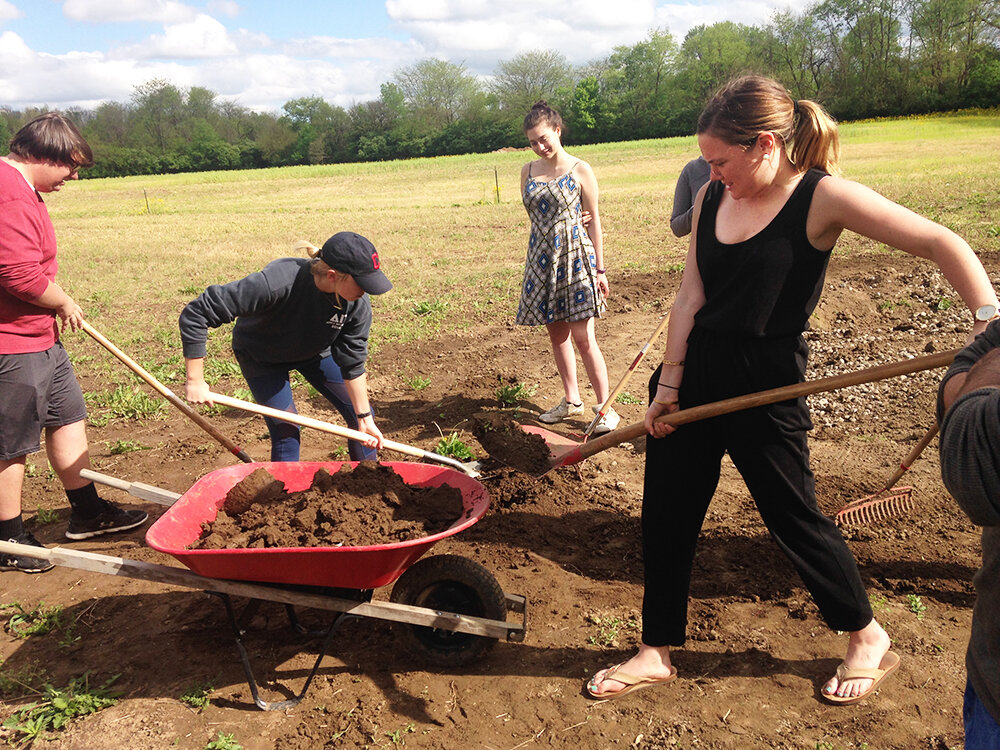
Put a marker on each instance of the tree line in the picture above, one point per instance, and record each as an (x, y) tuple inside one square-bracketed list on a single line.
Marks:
[(859, 58)]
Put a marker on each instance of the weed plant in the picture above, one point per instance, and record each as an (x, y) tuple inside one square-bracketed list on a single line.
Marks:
[(511, 393), (58, 707), (197, 696), (453, 447), (224, 742)]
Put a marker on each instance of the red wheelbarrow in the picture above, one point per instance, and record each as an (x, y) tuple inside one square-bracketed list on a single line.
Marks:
[(450, 609)]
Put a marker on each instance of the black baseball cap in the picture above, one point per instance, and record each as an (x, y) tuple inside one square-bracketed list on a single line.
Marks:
[(356, 255)]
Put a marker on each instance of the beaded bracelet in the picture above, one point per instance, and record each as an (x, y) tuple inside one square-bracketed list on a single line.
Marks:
[(673, 362)]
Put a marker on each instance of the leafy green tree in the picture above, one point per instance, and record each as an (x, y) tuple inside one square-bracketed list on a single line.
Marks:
[(111, 124), (798, 53), (525, 78), (710, 56), (158, 111), (587, 116), (437, 92), (867, 75), (637, 85)]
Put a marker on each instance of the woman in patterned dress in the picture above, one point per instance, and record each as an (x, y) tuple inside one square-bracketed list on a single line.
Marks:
[(565, 287)]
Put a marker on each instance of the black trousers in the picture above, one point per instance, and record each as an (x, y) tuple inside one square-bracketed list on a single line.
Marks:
[(768, 446)]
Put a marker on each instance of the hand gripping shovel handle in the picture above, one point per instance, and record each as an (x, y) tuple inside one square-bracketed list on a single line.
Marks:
[(751, 400), (333, 429), (168, 394), (628, 374)]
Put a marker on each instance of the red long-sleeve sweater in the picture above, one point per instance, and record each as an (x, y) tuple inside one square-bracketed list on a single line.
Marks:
[(27, 265)]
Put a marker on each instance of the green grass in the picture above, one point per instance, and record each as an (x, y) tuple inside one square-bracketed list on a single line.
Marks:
[(455, 260)]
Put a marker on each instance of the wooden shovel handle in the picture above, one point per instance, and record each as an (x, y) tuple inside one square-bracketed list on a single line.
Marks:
[(762, 398), (168, 394)]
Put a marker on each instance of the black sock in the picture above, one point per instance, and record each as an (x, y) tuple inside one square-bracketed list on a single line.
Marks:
[(85, 501), (12, 528)]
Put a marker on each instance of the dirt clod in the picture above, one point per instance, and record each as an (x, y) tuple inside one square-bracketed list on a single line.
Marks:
[(362, 507), (507, 443)]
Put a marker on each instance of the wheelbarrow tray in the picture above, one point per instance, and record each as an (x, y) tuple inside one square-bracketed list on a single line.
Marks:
[(364, 567)]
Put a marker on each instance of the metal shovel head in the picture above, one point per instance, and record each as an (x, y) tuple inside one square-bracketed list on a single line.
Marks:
[(553, 439), (563, 449)]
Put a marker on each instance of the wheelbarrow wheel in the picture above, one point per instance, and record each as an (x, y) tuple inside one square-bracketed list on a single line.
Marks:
[(450, 583)]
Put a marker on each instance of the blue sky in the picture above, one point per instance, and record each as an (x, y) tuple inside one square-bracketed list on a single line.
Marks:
[(261, 53)]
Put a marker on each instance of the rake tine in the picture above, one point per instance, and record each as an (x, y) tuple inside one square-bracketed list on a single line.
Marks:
[(878, 507)]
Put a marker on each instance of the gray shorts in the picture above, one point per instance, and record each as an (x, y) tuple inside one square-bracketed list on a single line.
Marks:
[(39, 390)]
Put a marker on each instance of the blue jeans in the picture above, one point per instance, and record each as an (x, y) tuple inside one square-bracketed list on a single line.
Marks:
[(274, 390), (981, 730)]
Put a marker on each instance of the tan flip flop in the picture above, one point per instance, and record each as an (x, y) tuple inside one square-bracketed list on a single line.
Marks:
[(886, 667), (631, 682)]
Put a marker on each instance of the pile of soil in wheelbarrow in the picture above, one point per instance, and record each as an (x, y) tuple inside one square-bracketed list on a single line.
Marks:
[(368, 505), (507, 443)]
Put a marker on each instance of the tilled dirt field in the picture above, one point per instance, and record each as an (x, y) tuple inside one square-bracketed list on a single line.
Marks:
[(568, 541)]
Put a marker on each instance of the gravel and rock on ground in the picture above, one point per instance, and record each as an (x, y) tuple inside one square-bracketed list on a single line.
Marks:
[(569, 541)]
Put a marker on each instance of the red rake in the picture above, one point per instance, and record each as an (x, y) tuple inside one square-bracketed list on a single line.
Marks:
[(625, 378), (889, 501)]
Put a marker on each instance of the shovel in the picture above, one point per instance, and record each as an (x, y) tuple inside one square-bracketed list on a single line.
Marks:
[(625, 378), (565, 452), (168, 394), (470, 468)]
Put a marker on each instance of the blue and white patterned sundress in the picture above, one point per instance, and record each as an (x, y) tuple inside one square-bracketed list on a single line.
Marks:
[(560, 271)]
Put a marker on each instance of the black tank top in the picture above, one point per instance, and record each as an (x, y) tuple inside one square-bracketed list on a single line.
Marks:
[(766, 286)]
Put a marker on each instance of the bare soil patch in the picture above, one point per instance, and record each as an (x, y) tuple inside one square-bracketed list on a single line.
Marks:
[(568, 541)]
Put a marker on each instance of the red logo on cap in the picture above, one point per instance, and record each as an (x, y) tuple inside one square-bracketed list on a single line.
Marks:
[(375, 260)]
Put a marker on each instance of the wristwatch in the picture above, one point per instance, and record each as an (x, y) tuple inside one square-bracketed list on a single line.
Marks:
[(987, 312)]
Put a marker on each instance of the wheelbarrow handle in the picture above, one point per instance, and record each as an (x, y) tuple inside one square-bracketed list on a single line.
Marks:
[(762, 398), (333, 429), (168, 394)]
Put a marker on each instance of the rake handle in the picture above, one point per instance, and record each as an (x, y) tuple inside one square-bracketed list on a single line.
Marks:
[(911, 457), (628, 374), (762, 398), (168, 394)]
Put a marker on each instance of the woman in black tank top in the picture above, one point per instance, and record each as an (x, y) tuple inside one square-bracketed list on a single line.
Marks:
[(763, 230)]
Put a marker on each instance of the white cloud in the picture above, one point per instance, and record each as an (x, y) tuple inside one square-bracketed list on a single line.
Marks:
[(110, 11), (8, 12), (479, 32), (682, 17), (352, 49), (223, 8), (76, 79), (204, 37)]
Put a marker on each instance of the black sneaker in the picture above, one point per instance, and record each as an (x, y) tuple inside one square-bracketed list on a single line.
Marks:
[(111, 519), (22, 563)]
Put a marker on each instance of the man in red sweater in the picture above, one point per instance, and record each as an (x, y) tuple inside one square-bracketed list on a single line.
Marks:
[(38, 389)]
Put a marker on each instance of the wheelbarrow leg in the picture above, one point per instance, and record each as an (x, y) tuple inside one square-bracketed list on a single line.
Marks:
[(237, 626)]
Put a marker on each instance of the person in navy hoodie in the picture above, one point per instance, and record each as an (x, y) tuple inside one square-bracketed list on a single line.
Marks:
[(310, 315)]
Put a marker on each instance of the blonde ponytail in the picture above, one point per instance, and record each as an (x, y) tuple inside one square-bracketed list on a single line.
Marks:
[(311, 250), (816, 143)]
